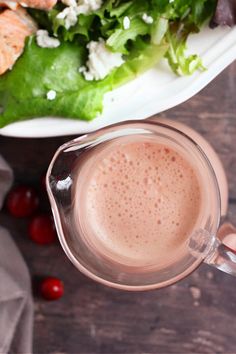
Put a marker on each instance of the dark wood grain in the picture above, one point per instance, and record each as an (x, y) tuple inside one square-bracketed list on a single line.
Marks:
[(94, 319)]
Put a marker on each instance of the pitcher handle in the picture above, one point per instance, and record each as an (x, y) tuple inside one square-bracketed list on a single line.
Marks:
[(224, 255)]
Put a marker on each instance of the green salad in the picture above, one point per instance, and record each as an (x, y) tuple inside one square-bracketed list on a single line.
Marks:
[(96, 51)]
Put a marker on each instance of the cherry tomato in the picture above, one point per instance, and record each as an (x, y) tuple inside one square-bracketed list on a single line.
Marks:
[(52, 288), (42, 229), (22, 201)]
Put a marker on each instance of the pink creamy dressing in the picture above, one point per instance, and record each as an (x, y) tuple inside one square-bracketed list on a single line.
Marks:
[(138, 201)]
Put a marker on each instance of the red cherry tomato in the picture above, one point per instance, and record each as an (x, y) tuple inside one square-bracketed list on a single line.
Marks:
[(22, 201), (42, 229), (52, 288)]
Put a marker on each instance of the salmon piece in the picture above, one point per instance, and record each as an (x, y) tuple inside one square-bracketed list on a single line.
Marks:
[(11, 4), (15, 26), (35, 4)]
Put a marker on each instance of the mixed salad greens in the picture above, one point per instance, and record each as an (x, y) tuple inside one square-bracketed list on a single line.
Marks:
[(154, 29)]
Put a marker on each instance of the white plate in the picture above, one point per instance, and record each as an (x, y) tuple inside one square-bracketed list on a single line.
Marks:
[(151, 93)]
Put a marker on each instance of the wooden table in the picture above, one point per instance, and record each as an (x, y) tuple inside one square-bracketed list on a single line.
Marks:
[(91, 318)]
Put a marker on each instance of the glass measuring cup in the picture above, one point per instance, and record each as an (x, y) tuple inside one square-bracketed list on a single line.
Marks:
[(203, 244)]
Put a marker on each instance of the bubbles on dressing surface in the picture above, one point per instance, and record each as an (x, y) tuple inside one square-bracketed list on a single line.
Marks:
[(142, 199)]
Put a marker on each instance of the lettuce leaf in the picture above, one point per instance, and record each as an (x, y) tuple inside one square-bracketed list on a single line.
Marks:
[(119, 38), (179, 62), (172, 23), (23, 91)]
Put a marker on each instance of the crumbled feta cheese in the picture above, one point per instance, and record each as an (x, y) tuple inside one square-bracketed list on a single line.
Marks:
[(147, 19), (69, 2), (89, 5), (70, 13), (45, 41), (51, 95), (126, 23), (82, 69), (87, 75), (100, 61)]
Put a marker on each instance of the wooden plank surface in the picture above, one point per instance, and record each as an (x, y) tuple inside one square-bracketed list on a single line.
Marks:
[(91, 318)]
